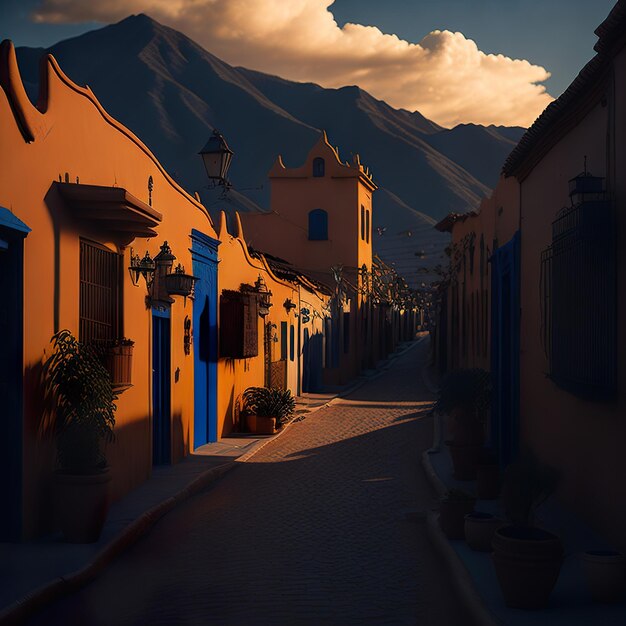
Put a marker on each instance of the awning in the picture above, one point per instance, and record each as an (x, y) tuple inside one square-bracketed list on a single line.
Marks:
[(111, 208)]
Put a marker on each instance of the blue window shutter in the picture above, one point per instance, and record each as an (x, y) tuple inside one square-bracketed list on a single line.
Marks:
[(318, 225)]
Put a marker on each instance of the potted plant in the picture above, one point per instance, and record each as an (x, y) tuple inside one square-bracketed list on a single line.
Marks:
[(605, 572), (267, 408), (82, 417), (479, 530), (454, 506), (527, 559), (465, 397)]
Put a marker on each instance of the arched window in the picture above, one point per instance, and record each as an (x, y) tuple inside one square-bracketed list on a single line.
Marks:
[(318, 167), (318, 225)]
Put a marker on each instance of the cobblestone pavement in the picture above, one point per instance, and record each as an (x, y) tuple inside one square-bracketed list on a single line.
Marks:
[(315, 529)]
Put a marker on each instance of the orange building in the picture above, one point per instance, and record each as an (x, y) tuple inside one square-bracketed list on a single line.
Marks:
[(555, 343), (81, 201), (321, 220)]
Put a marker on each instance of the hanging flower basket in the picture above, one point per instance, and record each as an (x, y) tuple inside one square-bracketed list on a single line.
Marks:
[(178, 283), (119, 363)]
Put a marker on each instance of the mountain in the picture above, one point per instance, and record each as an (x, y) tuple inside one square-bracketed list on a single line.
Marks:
[(172, 93)]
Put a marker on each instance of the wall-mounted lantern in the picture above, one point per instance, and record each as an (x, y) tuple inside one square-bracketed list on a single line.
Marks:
[(161, 282), (265, 296), (216, 156), (289, 304), (141, 267)]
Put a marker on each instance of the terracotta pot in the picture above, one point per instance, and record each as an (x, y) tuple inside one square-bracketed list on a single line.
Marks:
[(487, 482), (119, 363), (527, 562), (479, 530), (452, 517), (605, 572), (82, 502), (261, 425), (465, 458)]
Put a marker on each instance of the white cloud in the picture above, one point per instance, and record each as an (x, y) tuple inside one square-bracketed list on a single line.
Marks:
[(444, 76)]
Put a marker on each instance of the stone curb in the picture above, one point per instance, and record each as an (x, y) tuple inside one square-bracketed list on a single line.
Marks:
[(35, 600), (474, 604)]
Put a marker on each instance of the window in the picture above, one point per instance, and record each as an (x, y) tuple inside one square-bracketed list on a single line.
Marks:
[(319, 167), (292, 342), (100, 293), (367, 226), (578, 290), (362, 222), (283, 341), (318, 225), (239, 330)]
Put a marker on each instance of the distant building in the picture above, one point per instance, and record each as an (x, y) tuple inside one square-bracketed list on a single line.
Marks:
[(534, 290)]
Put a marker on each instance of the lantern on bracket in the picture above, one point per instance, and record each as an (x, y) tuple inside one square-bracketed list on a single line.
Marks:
[(265, 296), (217, 156)]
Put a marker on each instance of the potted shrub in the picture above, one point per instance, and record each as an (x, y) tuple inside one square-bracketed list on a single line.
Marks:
[(82, 417), (465, 396), (479, 530), (527, 559), (605, 572), (267, 409), (454, 506)]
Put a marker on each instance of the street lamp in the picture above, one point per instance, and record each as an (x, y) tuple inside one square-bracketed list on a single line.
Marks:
[(216, 156)]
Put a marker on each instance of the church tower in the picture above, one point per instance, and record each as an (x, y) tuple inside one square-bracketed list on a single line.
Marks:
[(321, 213)]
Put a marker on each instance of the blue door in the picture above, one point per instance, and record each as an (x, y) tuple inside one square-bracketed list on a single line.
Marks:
[(505, 334), (161, 386), (204, 255), (12, 233)]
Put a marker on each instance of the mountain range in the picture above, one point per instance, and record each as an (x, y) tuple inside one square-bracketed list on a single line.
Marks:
[(171, 92)]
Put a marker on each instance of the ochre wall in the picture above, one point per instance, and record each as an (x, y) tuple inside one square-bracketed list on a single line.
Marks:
[(582, 439), (496, 220), (237, 267), (73, 135)]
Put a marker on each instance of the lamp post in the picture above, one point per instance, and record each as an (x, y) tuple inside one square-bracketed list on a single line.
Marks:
[(217, 156)]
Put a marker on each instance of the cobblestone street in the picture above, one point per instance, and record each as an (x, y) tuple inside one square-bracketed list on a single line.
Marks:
[(319, 527)]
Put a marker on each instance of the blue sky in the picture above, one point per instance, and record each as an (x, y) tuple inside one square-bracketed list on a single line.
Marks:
[(444, 76), (557, 34)]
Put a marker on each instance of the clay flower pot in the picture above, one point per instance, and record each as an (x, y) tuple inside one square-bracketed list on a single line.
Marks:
[(82, 503), (261, 425), (605, 572), (528, 562), (479, 530)]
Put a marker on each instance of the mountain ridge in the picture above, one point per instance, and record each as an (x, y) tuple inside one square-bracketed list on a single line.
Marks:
[(172, 93)]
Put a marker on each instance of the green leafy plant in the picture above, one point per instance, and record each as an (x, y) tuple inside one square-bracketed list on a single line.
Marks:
[(527, 484), (465, 389), (82, 404), (269, 402)]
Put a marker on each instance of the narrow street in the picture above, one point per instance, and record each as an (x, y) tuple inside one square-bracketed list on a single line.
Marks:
[(312, 530)]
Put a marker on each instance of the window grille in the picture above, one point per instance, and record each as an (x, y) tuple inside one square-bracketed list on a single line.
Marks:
[(100, 298), (239, 331), (579, 301)]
